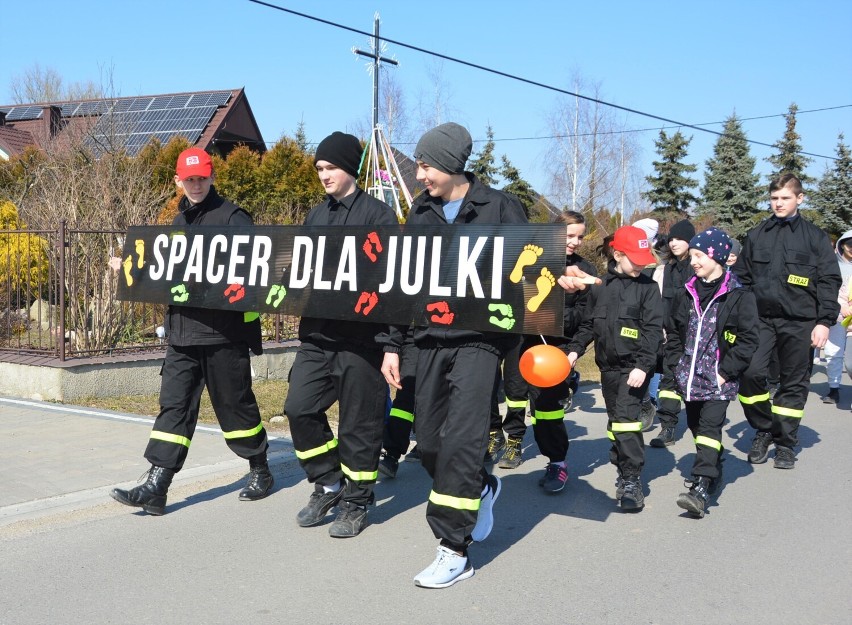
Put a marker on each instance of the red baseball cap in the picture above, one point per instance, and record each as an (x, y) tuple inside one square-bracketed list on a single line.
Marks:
[(634, 242), (194, 162)]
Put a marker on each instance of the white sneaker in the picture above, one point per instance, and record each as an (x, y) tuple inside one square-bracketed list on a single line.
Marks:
[(447, 569), (485, 518)]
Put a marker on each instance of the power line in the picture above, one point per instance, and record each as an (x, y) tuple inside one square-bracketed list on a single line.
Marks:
[(528, 81)]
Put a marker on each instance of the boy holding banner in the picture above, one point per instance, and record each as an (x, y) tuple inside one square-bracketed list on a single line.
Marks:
[(456, 368), (206, 348), (339, 361)]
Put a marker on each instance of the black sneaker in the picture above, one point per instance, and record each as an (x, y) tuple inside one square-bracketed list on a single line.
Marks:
[(512, 457), (496, 444), (695, 501), (388, 465), (647, 412), (785, 458), (555, 478), (413, 455), (832, 397), (633, 499), (759, 451), (318, 506), (665, 438), (351, 519)]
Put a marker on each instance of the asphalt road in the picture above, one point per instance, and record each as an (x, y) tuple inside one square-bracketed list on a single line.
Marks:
[(775, 548)]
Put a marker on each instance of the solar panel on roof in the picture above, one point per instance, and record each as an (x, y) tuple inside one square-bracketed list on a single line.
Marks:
[(179, 101), (140, 104), (219, 99), (17, 113)]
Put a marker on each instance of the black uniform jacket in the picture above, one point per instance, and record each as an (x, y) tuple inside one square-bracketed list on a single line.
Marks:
[(736, 330), (576, 308), (625, 321), (357, 209), (792, 270), (675, 276), (202, 326), (481, 205)]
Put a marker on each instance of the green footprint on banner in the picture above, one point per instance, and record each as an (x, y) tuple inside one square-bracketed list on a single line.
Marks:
[(180, 293), (276, 295), (506, 321)]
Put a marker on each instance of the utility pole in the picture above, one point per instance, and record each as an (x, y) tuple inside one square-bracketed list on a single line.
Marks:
[(376, 56)]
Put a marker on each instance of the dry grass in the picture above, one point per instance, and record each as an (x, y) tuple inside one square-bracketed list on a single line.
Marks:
[(270, 396)]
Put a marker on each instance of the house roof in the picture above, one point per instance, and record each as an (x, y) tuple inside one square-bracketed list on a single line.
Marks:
[(14, 141), (216, 121)]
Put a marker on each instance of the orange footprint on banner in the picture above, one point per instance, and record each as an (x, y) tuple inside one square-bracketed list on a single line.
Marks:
[(366, 303), (445, 317), (234, 292), (372, 242)]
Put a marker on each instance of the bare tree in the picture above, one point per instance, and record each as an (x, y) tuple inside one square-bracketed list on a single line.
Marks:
[(433, 106), (45, 84), (106, 190), (591, 158)]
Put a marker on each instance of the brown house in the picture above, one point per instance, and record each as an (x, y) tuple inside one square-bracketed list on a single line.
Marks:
[(216, 121)]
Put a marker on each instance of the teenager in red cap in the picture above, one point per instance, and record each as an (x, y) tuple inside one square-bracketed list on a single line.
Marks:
[(625, 321), (206, 348)]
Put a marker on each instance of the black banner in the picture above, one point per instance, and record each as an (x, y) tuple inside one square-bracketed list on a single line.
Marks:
[(482, 277)]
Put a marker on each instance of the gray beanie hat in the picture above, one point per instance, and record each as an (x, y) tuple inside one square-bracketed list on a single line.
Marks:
[(445, 147)]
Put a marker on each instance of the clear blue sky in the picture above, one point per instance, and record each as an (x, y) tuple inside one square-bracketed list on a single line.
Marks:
[(694, 62)]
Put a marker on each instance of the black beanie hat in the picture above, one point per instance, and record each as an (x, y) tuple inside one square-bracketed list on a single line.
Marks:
[(342, 150), (713, 242), (445, 147), (683, 230)]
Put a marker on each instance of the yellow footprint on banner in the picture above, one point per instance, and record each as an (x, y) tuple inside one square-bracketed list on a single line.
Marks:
[(140, 253), (544, 283), (528, 256), (128, 265)]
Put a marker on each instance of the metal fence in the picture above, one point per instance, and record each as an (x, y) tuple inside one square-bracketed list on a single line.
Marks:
[(57, 298)]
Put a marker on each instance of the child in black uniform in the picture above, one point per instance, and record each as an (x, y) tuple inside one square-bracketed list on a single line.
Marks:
[(625, 321), (711, 336), (547, 404)]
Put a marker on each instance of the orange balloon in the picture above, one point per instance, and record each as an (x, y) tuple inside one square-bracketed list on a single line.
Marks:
[(544, 365)]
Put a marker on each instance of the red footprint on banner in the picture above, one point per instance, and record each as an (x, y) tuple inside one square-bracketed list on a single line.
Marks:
[(372, 241), (234, 293), (445, 317), (366, 303)]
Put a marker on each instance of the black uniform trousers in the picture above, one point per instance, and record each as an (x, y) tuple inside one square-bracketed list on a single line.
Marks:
[(225, 369), (705, 420), (624, 428), (319, 377), (548, 421), (516, 389), (454, 385), (668, 401), (782, 415), (397, 433)]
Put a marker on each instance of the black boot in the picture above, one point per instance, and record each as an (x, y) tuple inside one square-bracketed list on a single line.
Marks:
[(695, 501), (150, 496), (260, 480)]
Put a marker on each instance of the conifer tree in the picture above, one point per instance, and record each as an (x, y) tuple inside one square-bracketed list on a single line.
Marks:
[(483, 164), (670, 187), (731, 192), (832, 199), (517, 186), (789, 158)]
